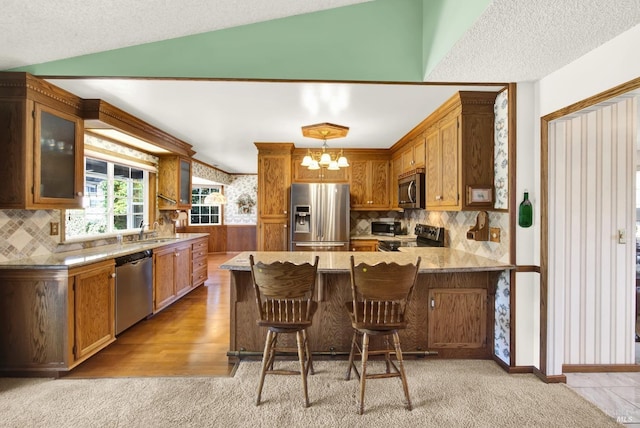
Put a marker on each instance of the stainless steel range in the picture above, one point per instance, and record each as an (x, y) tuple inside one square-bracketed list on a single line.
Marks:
[(426, 236)]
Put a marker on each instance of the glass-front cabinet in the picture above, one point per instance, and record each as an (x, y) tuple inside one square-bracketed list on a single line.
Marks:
[(42, 140), (174, 183), (58, 166)]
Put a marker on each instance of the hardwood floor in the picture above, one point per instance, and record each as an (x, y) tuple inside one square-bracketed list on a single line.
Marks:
[(189, 338)]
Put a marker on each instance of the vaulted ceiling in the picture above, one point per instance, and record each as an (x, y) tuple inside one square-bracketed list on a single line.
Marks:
[(221, 75)]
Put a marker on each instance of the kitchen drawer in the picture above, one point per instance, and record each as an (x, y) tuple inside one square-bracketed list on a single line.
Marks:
[(200, 247), (199, 263), (199, 275)]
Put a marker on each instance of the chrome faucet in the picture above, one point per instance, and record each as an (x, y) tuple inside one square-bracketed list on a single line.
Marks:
[(142, 225)]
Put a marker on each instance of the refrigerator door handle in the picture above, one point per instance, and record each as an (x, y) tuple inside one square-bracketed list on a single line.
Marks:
[(319, 244)]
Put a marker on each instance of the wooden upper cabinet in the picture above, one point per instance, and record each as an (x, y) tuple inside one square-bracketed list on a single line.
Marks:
[(396, 170), (413, 156), (419, 151), (454, 145), (43, 144), (369, 183), (459, 151), (302, 174), (442, 189), (174, 182), (274, 183)]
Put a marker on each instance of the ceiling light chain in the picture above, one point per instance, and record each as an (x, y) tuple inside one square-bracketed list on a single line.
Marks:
[(325, 159)]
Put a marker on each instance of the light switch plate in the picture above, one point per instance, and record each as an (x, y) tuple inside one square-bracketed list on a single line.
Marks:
[(494, 234)]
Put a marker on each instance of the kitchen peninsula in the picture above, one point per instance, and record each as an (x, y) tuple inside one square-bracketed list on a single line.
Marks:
[(451, 313)]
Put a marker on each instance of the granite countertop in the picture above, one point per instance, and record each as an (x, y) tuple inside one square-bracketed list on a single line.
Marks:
[(70, 259), (433, 260)]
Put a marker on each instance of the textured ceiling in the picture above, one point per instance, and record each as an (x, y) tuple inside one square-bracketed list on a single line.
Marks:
[(511, 41), (525, 40), (33, 32)]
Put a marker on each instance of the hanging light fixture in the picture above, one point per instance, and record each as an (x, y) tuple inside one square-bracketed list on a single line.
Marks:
[(215, 198), (324, 159)]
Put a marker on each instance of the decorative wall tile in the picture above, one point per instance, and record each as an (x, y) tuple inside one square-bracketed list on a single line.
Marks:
[(25, 233), (360, 221)]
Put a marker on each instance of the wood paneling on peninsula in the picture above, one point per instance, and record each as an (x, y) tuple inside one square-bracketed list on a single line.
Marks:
[(451, 312)]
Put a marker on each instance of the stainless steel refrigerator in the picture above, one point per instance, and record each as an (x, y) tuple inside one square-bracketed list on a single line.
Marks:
[(319, 217)]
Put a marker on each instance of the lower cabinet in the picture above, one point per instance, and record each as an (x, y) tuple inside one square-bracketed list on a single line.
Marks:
[(457, 320), (363, 245), (171, 274), (93, 298), (273, 235), (199, 252), (53, 319)]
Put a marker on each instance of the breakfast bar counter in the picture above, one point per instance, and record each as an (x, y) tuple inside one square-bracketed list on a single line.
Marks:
[(451, 314)]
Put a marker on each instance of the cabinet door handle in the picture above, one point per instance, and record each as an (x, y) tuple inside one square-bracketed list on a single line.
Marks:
[(433, 303), (112, 275), (79, 193), (176, 254)]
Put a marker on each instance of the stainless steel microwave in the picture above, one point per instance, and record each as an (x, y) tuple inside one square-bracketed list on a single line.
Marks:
[(411, 191), (387, 228)]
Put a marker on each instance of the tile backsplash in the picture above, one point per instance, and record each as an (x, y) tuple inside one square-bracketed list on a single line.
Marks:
[(456, 225), (25, 233)]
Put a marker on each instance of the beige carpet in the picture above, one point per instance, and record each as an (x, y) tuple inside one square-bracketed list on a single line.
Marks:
[(445, 393)]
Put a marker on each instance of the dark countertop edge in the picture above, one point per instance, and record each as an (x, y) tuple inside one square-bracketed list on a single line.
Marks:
[(67, 260), (420, 271), (382, 238)]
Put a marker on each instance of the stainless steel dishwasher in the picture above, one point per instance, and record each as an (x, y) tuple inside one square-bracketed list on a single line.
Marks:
[(134, 289)]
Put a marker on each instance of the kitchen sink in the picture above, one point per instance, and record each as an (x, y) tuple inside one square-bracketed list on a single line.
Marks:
[(158, 240), (152, 241)]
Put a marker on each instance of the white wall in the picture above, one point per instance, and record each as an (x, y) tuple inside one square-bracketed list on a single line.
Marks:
[(527, 285), (607, 66), (613, 63)]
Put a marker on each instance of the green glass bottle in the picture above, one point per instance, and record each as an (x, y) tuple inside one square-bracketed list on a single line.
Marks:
[(525, 214)]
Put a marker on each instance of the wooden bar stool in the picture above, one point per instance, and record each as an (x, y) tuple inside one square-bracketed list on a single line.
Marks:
[(284, 294), (380, 294)]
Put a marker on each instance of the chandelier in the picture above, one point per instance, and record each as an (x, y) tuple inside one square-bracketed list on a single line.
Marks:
[(324, 159), (215, 198)]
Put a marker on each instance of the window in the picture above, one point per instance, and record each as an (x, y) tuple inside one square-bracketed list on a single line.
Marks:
[(202, 213), (115, 200)]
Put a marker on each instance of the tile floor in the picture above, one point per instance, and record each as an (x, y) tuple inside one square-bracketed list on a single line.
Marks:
[(617, 394)]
